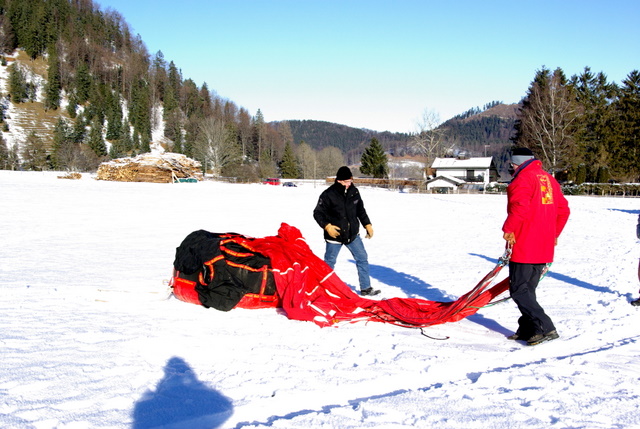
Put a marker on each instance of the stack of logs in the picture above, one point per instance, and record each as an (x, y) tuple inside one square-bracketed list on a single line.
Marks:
[(150, 167), (71, 176)]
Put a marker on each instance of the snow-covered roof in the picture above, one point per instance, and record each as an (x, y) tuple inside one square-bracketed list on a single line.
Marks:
[(446, 178), (482, 162)]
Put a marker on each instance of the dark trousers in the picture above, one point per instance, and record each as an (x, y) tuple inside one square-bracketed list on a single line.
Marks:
[(523, 281)]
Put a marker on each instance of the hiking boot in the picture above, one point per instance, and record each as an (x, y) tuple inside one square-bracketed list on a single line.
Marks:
[(369, 292), (541, 338), (636, 302), (515, 336)]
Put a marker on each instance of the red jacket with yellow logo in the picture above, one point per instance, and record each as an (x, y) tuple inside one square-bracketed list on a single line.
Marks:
[(537, 212)]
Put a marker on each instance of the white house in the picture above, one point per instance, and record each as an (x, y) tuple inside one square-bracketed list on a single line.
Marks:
[(444, 184), (482, 170)]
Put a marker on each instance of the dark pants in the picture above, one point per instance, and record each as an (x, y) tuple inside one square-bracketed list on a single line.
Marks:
[(523, 281)]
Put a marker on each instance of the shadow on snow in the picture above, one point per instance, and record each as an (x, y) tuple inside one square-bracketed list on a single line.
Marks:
[(181, 400), (564, 278)]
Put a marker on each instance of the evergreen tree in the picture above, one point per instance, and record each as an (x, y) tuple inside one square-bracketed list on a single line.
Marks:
[(145, 143), (17, 84), (159, 77), (581, 174), (79, 130), (595, 95), (177, 144), (114, 116), (72, 106), (126, 142), (135, 144), (289, 168), (82, 83), (627, 110), (374, 161), (257, 137), (140, 112), (62, 143), (53, 86), (96, 142)]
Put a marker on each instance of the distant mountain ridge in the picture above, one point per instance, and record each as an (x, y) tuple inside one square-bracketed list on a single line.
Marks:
[(321, 134), (469, 132)]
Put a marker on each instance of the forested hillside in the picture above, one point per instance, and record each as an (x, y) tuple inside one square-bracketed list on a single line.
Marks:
[(78, 88), (351, 141), (483, 132)]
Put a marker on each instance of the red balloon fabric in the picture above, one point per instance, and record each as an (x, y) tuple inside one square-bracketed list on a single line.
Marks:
[(310, 290)]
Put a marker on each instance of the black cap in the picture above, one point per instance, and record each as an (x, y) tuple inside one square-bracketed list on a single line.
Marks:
[(344, 173)]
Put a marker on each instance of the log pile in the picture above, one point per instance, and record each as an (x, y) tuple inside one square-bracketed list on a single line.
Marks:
[(150, 167), (71, 176)]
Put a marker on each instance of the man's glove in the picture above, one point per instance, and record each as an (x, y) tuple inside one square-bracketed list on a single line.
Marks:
[(332, 230), (369, 229)]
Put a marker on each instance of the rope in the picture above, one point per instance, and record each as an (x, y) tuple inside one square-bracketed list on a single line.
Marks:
[(432, 338)]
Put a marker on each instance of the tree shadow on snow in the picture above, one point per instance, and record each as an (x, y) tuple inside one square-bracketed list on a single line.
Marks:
[(180, 400), (562, 278)]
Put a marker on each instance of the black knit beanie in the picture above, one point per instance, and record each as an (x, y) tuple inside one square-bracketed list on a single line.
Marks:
[(344, 173)]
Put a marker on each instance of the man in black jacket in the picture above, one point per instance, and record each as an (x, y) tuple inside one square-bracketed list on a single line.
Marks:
[(339, 212)]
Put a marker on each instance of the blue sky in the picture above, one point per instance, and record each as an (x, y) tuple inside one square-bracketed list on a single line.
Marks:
[(379, 64)]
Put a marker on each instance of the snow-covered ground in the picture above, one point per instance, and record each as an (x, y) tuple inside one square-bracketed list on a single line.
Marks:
[(86, 340)]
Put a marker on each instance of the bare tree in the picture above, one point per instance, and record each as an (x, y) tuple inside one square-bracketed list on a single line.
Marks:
[(429, 140), (214, 148), (329, 160), (546, 119), (307, 160), (34, 153)]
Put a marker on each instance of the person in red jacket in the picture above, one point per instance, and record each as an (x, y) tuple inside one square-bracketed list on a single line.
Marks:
[(537, 212)]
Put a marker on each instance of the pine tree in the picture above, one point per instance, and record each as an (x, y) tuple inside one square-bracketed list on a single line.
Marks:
[(61, 143), (141, 113), (53, 87), (72, 106), (114, 116), (289, 167), (627, 108), (17, 84), (374, 161), (96, 143), (82, 83), (597, 143), (79, 129), (126, 143), (258, 126)]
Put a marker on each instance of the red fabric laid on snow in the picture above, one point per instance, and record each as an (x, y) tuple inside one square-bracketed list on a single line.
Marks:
[(310, 290)]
